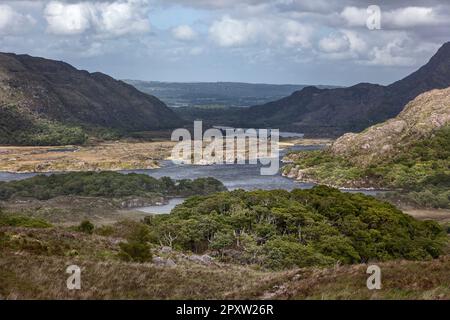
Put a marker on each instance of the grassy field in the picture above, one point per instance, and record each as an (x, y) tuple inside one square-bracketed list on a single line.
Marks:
[(33, 263), (72, 210)]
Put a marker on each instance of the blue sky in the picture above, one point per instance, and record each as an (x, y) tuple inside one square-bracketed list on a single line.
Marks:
[(172, 16), (277, 41)]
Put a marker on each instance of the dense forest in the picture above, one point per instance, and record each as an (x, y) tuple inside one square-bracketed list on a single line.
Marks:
[(105, 184), (280, 229)]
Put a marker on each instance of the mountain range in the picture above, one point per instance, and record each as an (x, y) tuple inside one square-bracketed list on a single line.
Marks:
[(332, 112), (46, 102)]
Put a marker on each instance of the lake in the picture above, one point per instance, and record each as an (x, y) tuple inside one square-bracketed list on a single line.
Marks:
[(233, 176)]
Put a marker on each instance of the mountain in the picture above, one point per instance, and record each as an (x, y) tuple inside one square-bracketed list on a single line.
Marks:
[(332, 112), (43, 94), (422, 117), (409, 153), (202, 94)]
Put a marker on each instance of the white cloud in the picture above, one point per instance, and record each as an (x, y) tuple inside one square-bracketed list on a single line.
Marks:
[(296, 34), (390, 48), (12, 22), (68, 18), (95, 49), (343, 45), (357, 44), (230, 32), (391, 54), (414, 16), (108, 18), (121, 18), (334, 43), (405, 17), (215, 4), (355, 16), (184, 33)]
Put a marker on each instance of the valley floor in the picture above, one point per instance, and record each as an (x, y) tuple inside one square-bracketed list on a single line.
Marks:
[(114, 156), (33, 261), (119, 155)]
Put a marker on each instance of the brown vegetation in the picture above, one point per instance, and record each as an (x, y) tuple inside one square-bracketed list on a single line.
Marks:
[(103, 156), (33, 264)]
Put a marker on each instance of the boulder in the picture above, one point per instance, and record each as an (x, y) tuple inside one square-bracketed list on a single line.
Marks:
[(165, 249), (203, 259), (161, 262), (170, 263)]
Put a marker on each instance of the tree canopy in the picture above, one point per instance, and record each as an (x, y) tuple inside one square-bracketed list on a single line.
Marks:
[(280, 229)]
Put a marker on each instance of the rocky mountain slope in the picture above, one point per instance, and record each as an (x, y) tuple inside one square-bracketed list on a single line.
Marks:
[(332, 112), (421, 117), (409, 153), (44, 94)]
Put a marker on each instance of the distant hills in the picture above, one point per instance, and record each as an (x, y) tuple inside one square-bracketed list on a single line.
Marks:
[(332, 112), (215, 94), (46, 102), (50, 102)]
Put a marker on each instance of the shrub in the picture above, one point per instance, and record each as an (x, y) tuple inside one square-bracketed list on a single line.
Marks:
[(22, 221), (135, 251), (137, 248), (139, 233), (86, 227), (105, 231)]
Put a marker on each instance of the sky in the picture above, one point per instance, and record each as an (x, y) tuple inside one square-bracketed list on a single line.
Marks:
[(330, 42)]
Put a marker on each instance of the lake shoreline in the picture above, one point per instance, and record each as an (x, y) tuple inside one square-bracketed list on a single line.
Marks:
[(103, 156)]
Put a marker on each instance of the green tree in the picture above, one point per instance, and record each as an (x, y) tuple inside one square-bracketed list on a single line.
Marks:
[(222, 241)]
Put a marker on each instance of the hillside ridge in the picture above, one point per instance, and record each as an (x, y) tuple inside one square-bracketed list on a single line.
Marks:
[(39, 89), (333, 112)]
